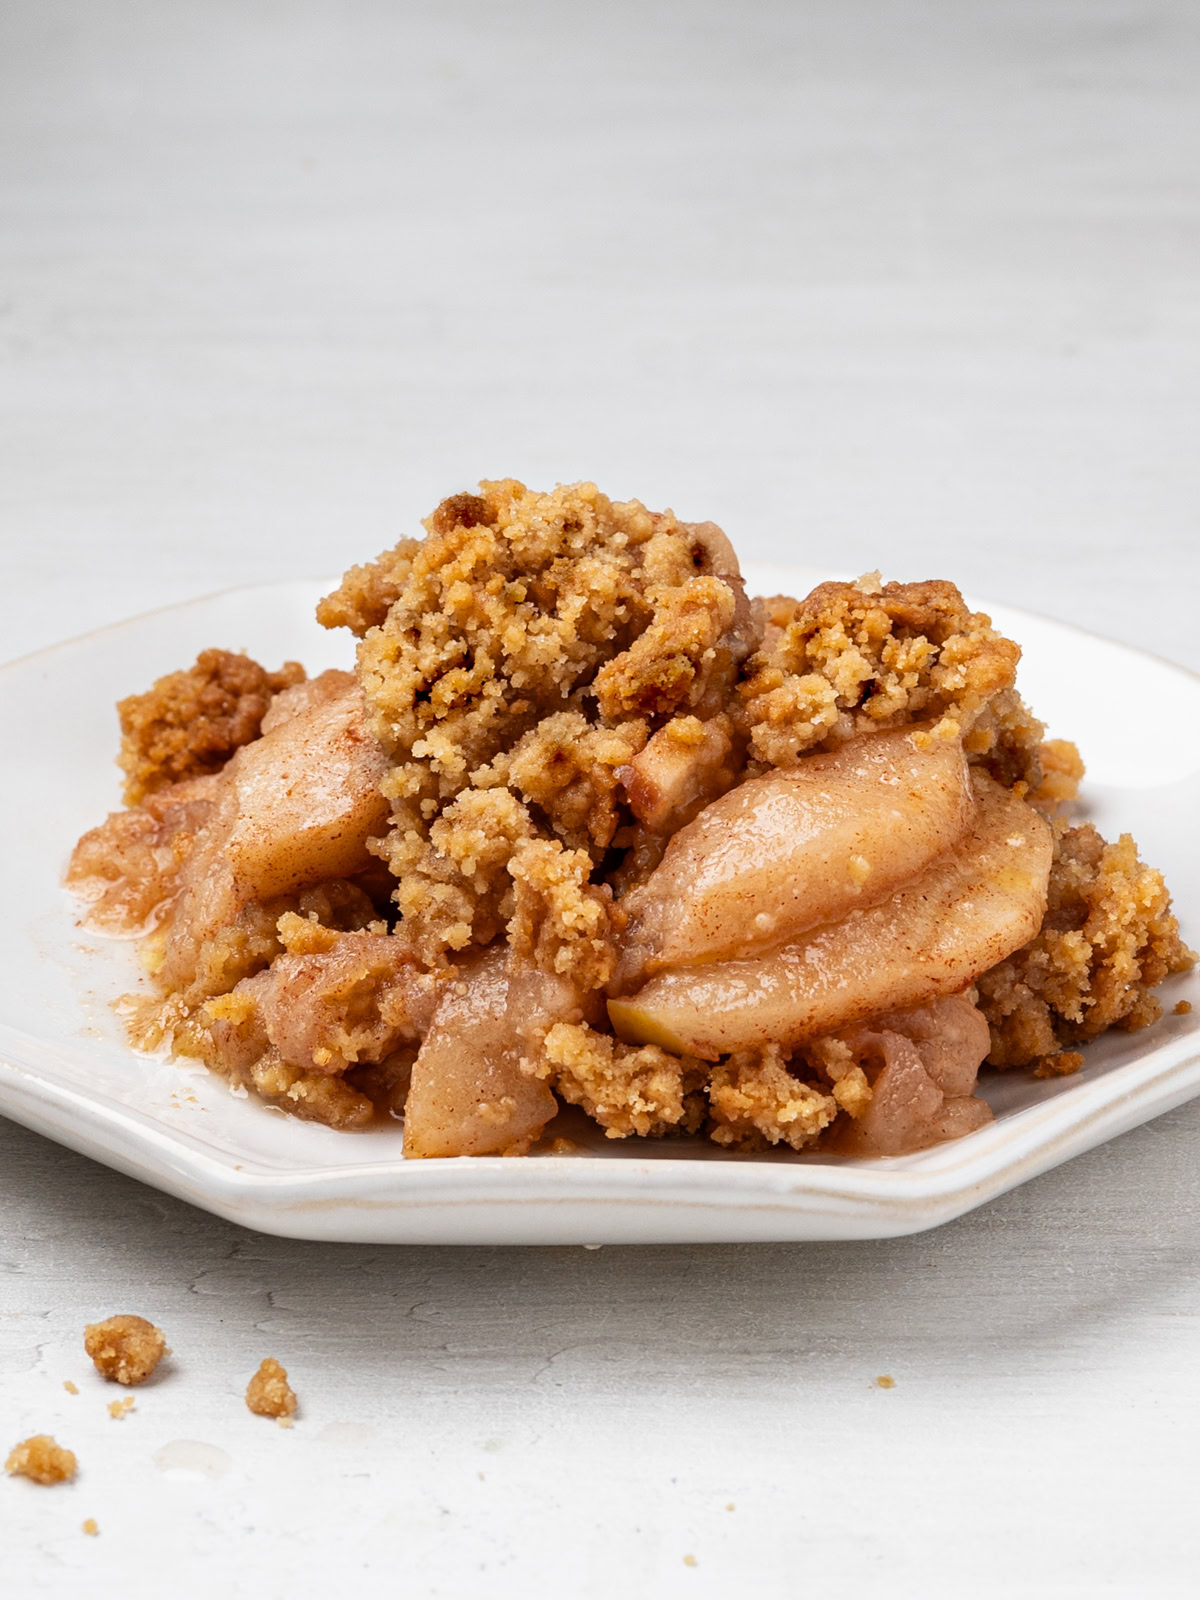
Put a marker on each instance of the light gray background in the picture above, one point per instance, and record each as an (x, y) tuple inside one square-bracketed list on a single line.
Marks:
[(899, 285)]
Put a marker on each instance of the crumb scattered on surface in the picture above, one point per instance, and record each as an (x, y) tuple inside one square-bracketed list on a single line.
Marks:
[(268, 1394), (191, 722), (690, 1561), (1182, 1007), (125, 1349), (563, 1147), (885, 1382), (119, 1409), (91, 1527), (69, 1386), (42, 1460), (731, 1506)]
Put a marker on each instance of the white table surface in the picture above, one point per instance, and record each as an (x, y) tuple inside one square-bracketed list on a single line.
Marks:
[(901, 285)]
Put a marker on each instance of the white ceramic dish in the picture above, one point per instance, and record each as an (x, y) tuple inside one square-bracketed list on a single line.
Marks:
[(66, 1072)]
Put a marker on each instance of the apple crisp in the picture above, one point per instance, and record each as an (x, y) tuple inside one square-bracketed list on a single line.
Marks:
[(589, 826)]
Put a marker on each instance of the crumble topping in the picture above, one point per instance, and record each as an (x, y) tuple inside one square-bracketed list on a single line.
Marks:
[(757, 1101), (125, 1349), (1109, 937), (189, 723), (627, 1090), (528, 646), (854, 657)]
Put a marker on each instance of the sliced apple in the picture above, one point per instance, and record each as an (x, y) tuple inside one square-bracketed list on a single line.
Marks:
[(294, 808), (469, 1096), (786, 852), (307, 797), (966, 912)]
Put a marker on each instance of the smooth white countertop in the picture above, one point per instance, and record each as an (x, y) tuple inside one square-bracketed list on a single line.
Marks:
[(909, 286)]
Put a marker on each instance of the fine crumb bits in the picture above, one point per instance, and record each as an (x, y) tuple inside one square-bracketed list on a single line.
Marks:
[(91, 1527), (269, 1394), (1183, 1007), (117, 1409), (690, 1561), (885, 1382), (125, 1349), (42, 1460), (70, 1387)]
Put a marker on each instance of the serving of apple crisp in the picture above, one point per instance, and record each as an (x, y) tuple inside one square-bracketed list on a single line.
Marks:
[(590, 826)]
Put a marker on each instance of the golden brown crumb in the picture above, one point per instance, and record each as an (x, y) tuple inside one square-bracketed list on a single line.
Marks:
[(1062, 1065), (560, 921), (1182, 1007), (627, 1090), (563, 1147), (69, 1386), (1062, 773), (41, 1460), (268, 1394), (191, 722), (125, 1349), (1109, 937), (690, 1561), (755, 1102), (731, 1506), (850, 658), (91, 1527), (366, 594), (885, 1382), (120, 1409)]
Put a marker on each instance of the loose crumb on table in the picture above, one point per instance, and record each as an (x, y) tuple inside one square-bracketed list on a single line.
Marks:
[(125, 1349), (118, 1409), (269, 1394), (41, 1459), (885, 1382), (91, 1527), (70, 1387)]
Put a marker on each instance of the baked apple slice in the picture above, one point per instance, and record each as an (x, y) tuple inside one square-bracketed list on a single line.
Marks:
[(972, 907)]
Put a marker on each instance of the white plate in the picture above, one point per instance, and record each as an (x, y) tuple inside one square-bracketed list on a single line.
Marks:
[(65, 1071)]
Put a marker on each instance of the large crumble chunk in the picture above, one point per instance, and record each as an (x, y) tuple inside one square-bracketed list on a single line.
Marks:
[(41, 1460), (626, 1090), (125, 1349), (269, 1394), (191, 722), (755, 1102), (1108, 939), (853, 657), (527, 649)]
